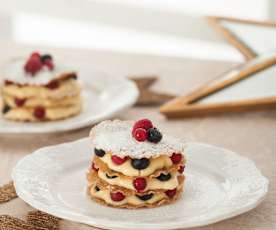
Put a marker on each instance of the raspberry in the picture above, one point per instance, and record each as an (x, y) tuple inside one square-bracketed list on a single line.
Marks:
[(39, 112), (117, 196), (35, 55), (171, 193), (140, 134), (140, 184), (118, 160), (19, 101), (93, 166), (143, 123), (53, 84), (181, 168), (176, 158), (49, 63), (33, 65)]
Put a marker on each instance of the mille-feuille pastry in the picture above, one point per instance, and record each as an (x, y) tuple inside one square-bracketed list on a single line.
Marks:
[(134, 166), (37, 89)]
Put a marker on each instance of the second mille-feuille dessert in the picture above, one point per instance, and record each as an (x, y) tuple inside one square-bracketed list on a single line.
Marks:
[(134, 165), (37, 89)]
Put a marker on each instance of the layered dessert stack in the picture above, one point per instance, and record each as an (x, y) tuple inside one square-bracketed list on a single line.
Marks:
[(134, 165), (35, 89)]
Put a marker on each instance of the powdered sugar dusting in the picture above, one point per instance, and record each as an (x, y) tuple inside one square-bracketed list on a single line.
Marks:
[(115, 136), (14, 71)]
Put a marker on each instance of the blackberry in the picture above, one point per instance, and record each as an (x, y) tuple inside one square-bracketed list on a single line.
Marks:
[(6, 109), (154, 135), (99, 152), (45, 57)]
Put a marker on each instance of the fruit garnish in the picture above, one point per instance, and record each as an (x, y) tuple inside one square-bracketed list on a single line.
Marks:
[(176, 158), (53, 84), (171, 193), (45, 57), (164, 177), (144, 130), (49, 63), (118, 160), (35, 54), (154, 135), (145, 197), (19, 101), (6, 109), (117, 196), (140, 134), (99, 152), (93, 166), (181, 168), (37, 61), (39, 112), (140, 184), (143, 123), (140, 163), (33, 65)]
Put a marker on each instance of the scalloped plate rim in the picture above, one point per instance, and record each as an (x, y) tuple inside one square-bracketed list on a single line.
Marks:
[(121, 225)]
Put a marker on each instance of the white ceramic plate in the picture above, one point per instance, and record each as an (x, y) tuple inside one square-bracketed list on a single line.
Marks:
[(220, 184), (103, 96)]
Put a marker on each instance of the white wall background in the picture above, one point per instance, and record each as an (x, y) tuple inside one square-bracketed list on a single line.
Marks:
[(163, 27)]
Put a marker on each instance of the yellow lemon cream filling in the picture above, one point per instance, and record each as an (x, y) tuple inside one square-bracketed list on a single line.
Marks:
[(127, 169), (152, 183)]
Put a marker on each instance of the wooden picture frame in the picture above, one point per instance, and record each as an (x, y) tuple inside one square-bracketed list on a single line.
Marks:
[(189, 106), (248, 51)]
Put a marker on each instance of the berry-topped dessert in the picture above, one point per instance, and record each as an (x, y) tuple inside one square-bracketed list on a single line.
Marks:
[(38, 89), (134, 165)]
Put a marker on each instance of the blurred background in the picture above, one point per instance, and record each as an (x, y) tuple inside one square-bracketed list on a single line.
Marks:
[(166, 28)]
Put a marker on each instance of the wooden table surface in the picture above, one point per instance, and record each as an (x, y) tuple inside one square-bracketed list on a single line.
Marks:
[(252, 134)]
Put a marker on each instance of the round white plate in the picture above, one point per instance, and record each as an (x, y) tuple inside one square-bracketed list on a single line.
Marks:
[(220, 184), (103, 96)]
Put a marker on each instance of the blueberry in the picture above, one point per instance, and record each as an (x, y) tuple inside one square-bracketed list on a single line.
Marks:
[(6, 109), (164, 177), (154, 135), (110, 177), (45, 57), (99, 152), (145, 197), (97, 189), (140, 163), (74, 76)]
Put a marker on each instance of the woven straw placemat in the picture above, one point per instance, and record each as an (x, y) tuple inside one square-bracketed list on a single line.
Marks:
[(35, 220)]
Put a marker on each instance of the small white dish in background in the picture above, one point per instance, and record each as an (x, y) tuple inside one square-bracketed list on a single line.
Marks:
[(220, 184), (103, 95)]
